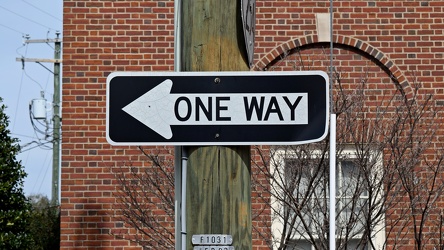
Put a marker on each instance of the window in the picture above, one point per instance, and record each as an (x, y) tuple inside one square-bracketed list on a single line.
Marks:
[(301, 201)]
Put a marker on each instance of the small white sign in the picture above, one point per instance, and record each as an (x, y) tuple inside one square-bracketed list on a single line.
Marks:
[(213, 248), (212, 239)]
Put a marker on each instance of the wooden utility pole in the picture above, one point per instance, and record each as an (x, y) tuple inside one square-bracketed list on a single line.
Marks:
[(56, 109), (57, 122), (218, 177)]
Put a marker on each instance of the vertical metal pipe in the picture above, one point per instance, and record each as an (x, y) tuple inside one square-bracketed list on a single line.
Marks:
[(332, 228), (177, 195), (184, 198), (177, 34), (331, 56), (179, 209)]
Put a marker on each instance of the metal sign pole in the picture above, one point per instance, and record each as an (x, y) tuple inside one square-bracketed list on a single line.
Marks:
[(332, 221), (178, 209), (177, 194), (332, 228)]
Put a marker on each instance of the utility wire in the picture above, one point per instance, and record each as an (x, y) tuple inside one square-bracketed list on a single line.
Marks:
[(15, 13), (44, 176), (24, 36), (38, 145), (18, 31), (32, 79), (40, 172), (49, 45), (48, 81), (49, 14), (20, 87), (22, 135)]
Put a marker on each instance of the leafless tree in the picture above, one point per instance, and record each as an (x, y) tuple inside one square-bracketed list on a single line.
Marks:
[(389, 173), (146, 201)]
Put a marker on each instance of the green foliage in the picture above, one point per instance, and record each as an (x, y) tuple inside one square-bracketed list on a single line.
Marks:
[(45, 223), (14, 208)]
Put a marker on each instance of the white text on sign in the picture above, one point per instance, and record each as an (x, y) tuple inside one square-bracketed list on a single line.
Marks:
[(274, 108), (212, 239)]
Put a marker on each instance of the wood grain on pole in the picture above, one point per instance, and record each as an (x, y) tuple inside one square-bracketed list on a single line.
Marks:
[(218, 177)]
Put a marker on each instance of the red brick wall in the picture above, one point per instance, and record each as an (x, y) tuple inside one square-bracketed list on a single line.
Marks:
[(101, 37), (404, 39)]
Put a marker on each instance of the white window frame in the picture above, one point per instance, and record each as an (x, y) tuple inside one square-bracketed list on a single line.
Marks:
[(280, 156)]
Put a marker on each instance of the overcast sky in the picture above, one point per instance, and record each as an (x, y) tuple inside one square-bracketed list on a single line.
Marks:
[(40, 19)]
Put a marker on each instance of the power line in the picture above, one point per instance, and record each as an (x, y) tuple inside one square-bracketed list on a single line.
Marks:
[(26, 136), (32, 79), (38, 145), (20, 88), (49, 14), (40, 172), (15, 13), (22, 135), (47, 81), (44, 176), (15, 30)]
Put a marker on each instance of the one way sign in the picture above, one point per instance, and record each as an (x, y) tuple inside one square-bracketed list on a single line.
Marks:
[(216, 108)]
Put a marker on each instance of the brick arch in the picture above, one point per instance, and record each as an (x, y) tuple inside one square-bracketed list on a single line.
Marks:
[(339, 41)]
